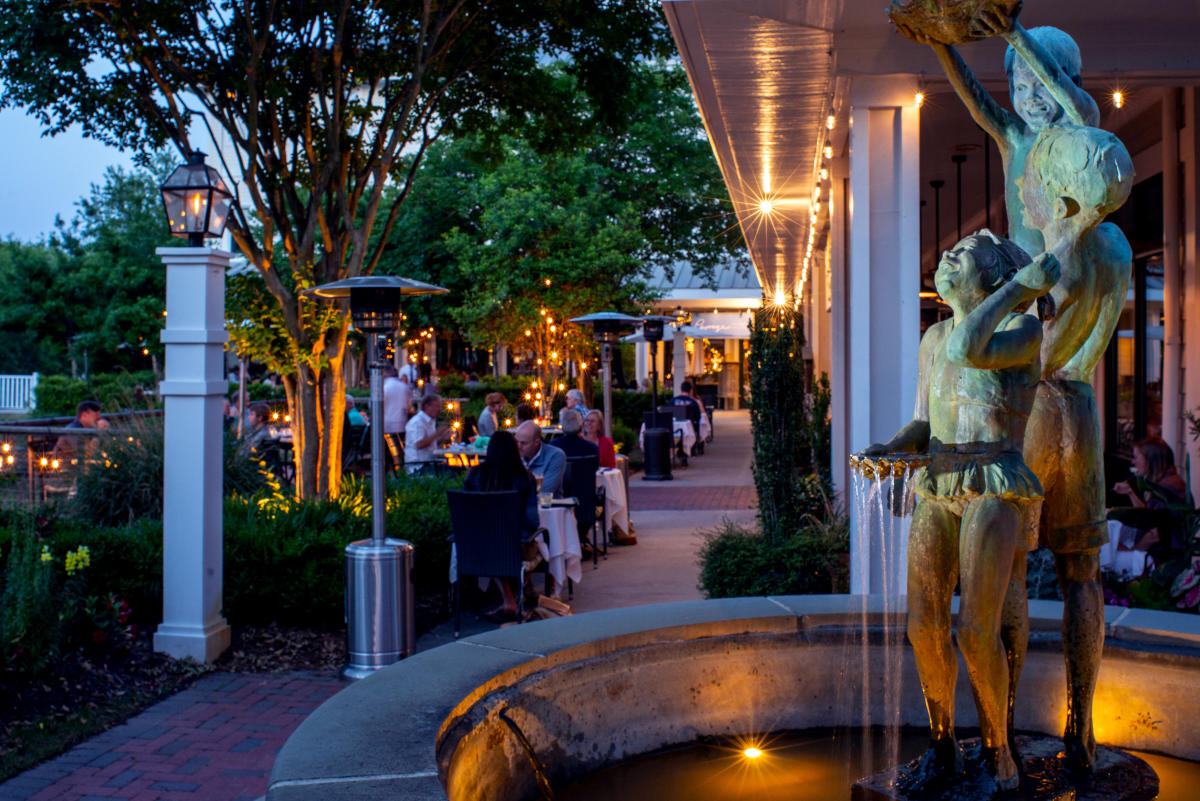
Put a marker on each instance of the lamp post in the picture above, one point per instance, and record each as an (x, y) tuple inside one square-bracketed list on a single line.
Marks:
[(379, 595), (607, 328), (197, 205)]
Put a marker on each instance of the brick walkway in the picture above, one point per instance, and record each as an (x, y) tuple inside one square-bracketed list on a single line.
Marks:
[(215, 741), (664, 496)]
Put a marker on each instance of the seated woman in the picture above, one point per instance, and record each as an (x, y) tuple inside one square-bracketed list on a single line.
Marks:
[(503, 470), (1154, 462), (593, 432)]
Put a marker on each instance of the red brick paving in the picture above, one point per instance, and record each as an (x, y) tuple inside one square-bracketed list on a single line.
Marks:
[(664, 496), (215, 741)]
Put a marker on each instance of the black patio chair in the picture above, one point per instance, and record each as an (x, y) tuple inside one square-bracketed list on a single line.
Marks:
[(487, 533), (579, 482)]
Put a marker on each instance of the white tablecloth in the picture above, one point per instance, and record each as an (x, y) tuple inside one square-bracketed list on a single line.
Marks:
[(1127, 563), (683, 427), (616, 504), (563, 553)]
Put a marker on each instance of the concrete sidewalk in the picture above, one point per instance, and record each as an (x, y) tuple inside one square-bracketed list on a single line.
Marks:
[(218, 739)]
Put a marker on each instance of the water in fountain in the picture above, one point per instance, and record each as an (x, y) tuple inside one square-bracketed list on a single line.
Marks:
[(882, 502)]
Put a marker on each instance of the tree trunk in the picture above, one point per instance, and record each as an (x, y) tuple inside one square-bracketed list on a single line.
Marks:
[(318, 403)]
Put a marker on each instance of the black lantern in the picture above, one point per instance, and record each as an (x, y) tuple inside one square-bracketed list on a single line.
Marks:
[(680, 317), (375, 299), (197, 201)]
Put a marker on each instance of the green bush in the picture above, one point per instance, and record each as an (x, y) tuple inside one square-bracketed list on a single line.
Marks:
[(284, 559), (29, 623), (628, 408), (55, 600), (58, 395), (736, 561)]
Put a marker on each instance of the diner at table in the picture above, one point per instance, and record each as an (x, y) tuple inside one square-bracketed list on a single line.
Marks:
[(489, 418), (423, 433), (504, 470), (569, 442), (593, 432), (543, 460)]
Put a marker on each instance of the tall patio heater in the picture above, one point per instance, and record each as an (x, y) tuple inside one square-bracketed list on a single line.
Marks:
[(657, 441), (607, 328), (379, 593)]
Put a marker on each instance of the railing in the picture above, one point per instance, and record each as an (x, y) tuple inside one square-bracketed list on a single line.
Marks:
[(18, 393)]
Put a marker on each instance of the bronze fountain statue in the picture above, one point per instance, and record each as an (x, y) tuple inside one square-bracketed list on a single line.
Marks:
[(1005, 415)]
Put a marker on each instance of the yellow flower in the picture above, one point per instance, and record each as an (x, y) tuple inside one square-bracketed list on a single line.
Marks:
[(46, 555), (78, 559)]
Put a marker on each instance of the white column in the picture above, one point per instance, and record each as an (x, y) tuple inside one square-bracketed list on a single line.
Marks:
[(882, 317), (679, 363), (194, 339)]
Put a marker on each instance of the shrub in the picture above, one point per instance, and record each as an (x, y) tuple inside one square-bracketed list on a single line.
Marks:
[(29, 627), (628, 408), (58, 395), (736, 561)]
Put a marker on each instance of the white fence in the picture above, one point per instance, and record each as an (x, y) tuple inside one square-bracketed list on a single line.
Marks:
[(18, 393)]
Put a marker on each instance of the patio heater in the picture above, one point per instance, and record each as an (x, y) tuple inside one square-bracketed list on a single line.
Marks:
[(379, 594), (607, 328), (657, 441)]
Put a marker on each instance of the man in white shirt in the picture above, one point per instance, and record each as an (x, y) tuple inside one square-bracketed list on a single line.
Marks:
[(423, 433), (397, 398)]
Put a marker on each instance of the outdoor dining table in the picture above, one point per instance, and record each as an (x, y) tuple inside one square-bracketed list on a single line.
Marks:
[(616, 503), (460, 455), (683, 427), (562, 553)]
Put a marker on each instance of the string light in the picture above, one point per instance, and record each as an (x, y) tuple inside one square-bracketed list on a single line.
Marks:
[(1118, 98), (919, 99), (830, 121), (828, 151)]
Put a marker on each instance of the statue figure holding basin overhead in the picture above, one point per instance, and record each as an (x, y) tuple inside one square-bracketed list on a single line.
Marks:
[(977, 503)]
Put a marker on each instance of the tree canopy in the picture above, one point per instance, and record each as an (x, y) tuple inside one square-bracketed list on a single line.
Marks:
[(319, 107)]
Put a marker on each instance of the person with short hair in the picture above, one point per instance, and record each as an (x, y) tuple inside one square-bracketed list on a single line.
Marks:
[(570, 442), (525, 412), (258, 415), (489, 418), (542, 460), (87, 415), (422, 434), (575, 401), (397, 400)]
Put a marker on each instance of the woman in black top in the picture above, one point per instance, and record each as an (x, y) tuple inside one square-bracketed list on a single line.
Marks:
[(503, 470)]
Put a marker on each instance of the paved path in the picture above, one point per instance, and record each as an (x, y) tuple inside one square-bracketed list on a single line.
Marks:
[(217, 740)]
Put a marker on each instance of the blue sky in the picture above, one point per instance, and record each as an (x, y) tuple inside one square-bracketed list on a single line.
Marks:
[(43, 177)]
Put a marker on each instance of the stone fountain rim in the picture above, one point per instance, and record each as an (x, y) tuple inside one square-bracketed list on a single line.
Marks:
[(383, 734)]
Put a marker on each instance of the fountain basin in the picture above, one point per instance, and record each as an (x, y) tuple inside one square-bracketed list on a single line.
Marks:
[(587, 691)]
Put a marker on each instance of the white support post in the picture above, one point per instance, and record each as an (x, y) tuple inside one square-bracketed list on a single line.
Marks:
[(194, 339), (678, 362), (881, 321)]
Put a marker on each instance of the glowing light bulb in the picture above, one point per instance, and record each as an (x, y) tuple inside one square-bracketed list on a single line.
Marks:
[(830, 121), (919, 99), (752, 753), (780, 298), (828, 151), (824, 174), (766, 207), (1118, 98)]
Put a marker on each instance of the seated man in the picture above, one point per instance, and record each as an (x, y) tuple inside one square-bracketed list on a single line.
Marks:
[(546, 461), (422, 434), (257, 433), (570, 442), (694, 409), (87, 415)]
